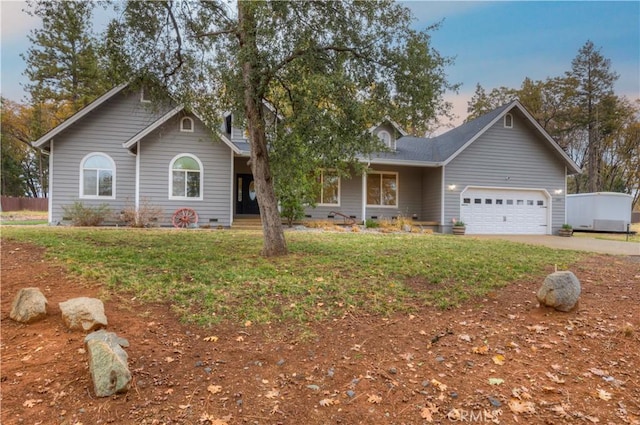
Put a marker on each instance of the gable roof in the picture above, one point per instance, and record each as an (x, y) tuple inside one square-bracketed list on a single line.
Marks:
[(441, 150), (78, 116)]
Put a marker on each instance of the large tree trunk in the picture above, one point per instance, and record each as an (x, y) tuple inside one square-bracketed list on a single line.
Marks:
[(274, 241)]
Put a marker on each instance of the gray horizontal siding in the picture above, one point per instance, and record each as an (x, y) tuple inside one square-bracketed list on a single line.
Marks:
[(432, 194), (103, 130), (159, 148), (515, 157)]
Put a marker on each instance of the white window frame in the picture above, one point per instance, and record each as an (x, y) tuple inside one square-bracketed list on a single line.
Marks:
[(381, 173), (386, 138), (113, 180), (322, 203), (509, 118), (201, 171), (186, 130), (143, 99)]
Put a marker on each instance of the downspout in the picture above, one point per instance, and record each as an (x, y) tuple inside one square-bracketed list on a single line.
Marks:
[(442, 196), (231, 192), (364, 197), (50, 185), (137, 191)]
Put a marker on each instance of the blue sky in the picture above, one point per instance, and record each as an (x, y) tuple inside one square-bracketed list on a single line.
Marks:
[(494, 43)]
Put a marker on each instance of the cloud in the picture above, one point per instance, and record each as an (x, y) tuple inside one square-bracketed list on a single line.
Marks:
[(15, 23)]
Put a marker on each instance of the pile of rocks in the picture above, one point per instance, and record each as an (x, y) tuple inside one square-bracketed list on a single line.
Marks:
[(107, 358)]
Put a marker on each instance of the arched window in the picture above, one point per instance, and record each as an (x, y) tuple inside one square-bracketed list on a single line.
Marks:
[(186, 125), (508, 121), (185, 177), (385, 137), (97, 176)]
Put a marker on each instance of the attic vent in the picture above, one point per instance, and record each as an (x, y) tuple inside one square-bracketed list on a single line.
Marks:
[(385, 136), (186, 125), (508, 121)]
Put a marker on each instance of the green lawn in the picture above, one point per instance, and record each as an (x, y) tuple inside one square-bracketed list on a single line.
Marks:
[(212, 275)]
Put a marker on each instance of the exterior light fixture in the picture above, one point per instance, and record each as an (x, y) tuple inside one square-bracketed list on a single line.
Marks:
[(452, 187), (558, 191)]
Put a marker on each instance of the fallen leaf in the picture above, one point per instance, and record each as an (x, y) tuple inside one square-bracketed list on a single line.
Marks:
[(325, 402), (598, 372), (496, 381), (480, 350), (560, 411), (538, 328), (272, 394), (374, 399), (439, 385), (276, 409), (240, 338), (518, 406), (184, 406), (211, 339), (602, 394), (465, 337), (555, 378), (214, 389), (427, 412), (498, 359), (169, 359), (31, 402)]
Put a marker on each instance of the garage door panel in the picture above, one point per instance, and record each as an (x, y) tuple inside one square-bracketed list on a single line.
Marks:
[(503, 211)]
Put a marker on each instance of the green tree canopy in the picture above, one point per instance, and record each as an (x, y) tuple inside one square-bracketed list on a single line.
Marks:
[(329, 70)]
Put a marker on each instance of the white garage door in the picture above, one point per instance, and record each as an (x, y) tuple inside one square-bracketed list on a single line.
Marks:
[(504, 211)]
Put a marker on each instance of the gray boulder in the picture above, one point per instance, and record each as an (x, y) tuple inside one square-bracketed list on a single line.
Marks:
[(108, 363), (560, 290), (83, 313), (28, 306)]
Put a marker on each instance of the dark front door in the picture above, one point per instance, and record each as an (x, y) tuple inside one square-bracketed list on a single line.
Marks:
[(246, 200)]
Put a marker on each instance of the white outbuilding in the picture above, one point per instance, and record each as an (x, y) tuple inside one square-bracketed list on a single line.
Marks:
[(599, 211)]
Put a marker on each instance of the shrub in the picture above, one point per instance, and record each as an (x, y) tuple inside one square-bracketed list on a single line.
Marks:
[(371, 224), (147, 215), (82, 215)]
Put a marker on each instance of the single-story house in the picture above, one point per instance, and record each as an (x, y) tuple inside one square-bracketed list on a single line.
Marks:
[(500, 173)]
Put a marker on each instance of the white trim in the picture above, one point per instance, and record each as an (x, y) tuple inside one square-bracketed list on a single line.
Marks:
[(187, 130), (442, 200), (232, 198), (364, 197), (201, 171), (407, 162), (78, 115), (393, 123), (81, 194), (382, 172), (50, 185), (137, 189)]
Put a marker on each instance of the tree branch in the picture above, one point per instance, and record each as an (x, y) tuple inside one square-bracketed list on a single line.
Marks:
[(178, 53)]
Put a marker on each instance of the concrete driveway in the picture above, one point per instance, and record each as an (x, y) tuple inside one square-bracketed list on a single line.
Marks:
[(580, 243)]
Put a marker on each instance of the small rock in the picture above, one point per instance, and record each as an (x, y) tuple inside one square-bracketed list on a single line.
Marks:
[(330, 373), (440, 359), (393, 370), (560, 290), (199, 363), (83, 313), (208, 370), (354, 381), (426, 383), (494, 402), (351, 393), (28, 306), (108, 363), (454, 394), (313, 387), (280, 362)]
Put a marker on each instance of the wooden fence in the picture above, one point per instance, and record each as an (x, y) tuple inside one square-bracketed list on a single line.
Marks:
[(10, 203)]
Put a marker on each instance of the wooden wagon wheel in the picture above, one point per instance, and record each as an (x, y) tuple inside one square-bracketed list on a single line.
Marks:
[(184, 217)]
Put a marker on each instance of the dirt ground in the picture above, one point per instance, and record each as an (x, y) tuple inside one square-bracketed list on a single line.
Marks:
[(502, 359)]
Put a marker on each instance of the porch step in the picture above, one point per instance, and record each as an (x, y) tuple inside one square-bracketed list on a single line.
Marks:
[(247, 223)]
